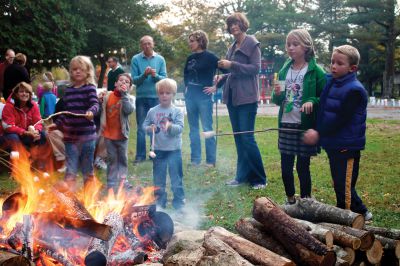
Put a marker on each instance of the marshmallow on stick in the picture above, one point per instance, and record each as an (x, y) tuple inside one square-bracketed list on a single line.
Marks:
[(152, 154)]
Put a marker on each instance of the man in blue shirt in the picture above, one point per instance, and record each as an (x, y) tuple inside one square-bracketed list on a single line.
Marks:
[(147, 68)]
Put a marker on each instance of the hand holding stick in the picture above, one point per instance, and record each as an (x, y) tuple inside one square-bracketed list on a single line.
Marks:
[(56, 114), (152, 154)]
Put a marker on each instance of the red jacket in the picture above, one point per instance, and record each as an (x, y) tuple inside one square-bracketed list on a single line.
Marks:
[(16, 120)]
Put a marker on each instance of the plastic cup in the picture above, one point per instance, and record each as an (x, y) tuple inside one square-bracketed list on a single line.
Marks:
[(281, 84)]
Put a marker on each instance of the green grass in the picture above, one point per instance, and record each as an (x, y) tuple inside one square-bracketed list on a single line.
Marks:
[(212, 203)]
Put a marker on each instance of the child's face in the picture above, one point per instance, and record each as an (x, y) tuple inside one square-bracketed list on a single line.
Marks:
[(340, 65), (294, 48), (165, 97), (78, 74), (123, 83)]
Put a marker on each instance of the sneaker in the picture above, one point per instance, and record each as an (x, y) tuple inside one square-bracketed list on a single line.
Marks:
[(100, 163), (210, 165), (232, 183), (258, 186), (290, 201), (138, 160), (367, 216)]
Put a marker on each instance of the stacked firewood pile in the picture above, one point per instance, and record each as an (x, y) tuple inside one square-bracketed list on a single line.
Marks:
[(306, 233)]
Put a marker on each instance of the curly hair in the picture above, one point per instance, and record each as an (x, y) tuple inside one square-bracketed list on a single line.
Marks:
[(201, 37)]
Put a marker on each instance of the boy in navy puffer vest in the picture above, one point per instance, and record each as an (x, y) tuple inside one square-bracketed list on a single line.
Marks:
[(341, 125)]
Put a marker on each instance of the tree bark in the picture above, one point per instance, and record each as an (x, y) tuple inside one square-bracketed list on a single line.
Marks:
[(256, 233), (296, 240), (367, 238), (341, 262), (385, 232), (390, 245), (319, 232), (218, 252), (249, 250), (314, 211), (343, 239)]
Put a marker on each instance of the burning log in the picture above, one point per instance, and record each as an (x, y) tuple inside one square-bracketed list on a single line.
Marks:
[(252, 252), (366, 238), (297, 241), (75, 216), (99, 250), (385, 232), (16, 237), (46, 248), (9, 258), (314, 211), (256, 233), (129, 257), (346, 254), (218, 252), (321, 233), (27, 230)]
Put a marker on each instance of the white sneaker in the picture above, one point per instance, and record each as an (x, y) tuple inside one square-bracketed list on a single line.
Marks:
[(367, 216)]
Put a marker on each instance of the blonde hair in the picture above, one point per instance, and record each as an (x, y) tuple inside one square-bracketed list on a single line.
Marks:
[(20, 58), (86, 64), (350, 52), (166, 84), (48, 86), (304, 37), (48, 76)]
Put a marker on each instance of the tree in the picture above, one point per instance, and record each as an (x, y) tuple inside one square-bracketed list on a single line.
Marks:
[(112, 25), (46, 29), (384, 14)]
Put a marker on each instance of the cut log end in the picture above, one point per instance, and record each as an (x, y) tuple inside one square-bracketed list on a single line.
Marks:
[(375, 252), (95, 259), (358, 222)]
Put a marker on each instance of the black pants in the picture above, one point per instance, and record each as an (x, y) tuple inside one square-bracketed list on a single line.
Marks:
[(344, 170), (303, 170)]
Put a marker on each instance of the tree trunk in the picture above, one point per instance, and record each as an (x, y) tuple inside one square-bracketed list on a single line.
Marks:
[(367, 238), (343, 239), (316, 212), (218, 252), (296, 240), (390, 245), (103, 67), (250, 251), (390, 49), (256, 233), (319, 232), (385, 232)]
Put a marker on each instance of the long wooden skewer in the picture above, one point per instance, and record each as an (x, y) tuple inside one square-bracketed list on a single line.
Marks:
[(209, 134), (56, 114)]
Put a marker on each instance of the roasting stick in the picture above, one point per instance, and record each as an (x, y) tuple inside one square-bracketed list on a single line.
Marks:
[(152, 154), (56, 114), (209, 134)]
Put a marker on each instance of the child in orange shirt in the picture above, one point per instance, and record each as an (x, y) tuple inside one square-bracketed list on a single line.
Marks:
[(117, 106)]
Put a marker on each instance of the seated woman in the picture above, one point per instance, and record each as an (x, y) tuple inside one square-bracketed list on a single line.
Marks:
[(19, 118)]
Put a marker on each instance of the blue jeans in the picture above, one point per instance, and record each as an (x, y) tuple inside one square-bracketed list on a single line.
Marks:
[(202, 109), (143, 105), (173, 161), (79, 155), (12, 138), (249, 167), (117, 162), (303, 170)]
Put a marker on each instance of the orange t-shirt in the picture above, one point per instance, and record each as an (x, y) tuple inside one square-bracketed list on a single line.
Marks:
[(112, 129)]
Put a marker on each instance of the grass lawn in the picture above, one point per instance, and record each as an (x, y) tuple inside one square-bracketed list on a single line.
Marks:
[(210, 202)]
